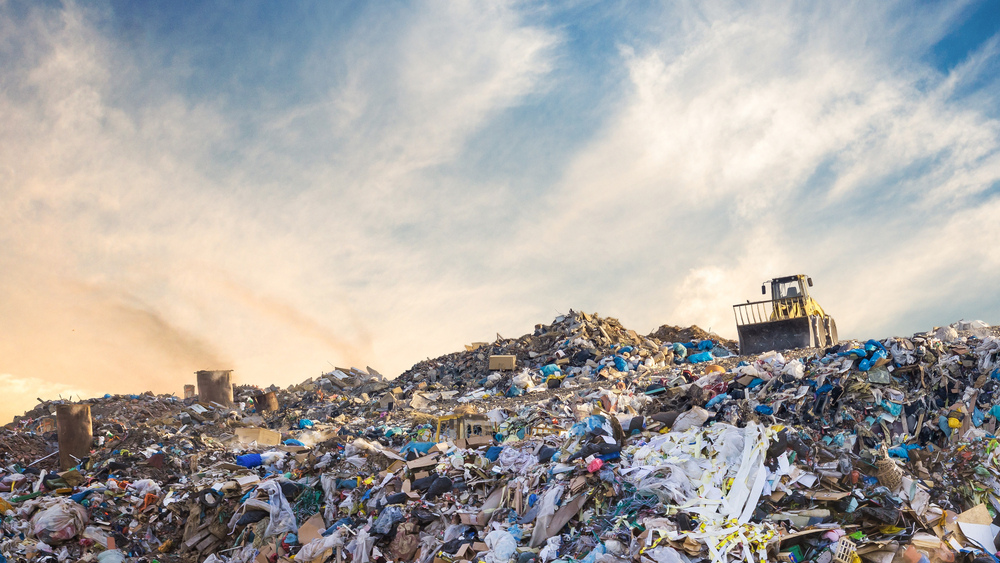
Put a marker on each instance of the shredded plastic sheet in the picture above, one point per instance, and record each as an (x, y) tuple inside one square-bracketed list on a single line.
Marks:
[(717, 473)]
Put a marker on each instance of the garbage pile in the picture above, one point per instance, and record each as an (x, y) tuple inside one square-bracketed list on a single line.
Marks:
[(585, 442)]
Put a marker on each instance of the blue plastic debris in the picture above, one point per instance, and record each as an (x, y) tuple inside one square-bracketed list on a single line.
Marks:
[(701, 357), (249, 460)]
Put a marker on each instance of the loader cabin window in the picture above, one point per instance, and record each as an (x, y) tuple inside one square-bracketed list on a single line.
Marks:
[(789, 289)]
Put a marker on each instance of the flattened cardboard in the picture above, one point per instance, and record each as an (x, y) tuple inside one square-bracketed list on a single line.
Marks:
[(479, 441), (312, 528), (477, 519), (826, 495), (976, 515), (408, 489), (565, 514), (426, 461), (262, 436)]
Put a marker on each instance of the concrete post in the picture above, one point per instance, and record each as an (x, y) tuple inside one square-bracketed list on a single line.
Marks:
[(76, 433), (215, 386), (266, 402)]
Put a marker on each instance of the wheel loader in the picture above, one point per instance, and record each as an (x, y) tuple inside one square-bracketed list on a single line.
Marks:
[(790, 319)]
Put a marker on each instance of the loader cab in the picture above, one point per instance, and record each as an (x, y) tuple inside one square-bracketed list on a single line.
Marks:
[(789, 286)]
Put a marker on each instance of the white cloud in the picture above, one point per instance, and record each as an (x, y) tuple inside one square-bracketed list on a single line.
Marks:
[(765, 142), (134, 252)]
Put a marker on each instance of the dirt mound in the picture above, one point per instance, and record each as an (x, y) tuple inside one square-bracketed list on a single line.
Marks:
[(668, 333)]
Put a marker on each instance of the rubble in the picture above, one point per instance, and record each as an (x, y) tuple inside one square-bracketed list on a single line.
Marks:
[(588, 442)]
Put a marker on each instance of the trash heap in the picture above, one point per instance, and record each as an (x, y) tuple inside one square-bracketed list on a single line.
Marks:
[(586, 442)]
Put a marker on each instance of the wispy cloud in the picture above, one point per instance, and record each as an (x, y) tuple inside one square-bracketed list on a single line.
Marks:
[(141, 230)]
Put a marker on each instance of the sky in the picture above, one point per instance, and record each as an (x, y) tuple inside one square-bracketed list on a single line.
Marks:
[(280, 188)]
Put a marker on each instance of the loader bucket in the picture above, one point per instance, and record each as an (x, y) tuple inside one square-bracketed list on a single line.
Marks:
[(785, 334)]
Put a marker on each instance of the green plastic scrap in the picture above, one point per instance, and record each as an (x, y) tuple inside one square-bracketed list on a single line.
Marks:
[(26, 497)]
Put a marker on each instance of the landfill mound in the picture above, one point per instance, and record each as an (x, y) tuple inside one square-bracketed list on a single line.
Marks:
[(581, 442), (668, 333)]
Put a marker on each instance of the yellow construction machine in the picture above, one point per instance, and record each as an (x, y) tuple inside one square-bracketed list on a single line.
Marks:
[(790, 319)]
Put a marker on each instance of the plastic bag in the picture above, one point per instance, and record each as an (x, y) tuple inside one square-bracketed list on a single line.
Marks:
[(523, 380), (551, 549), (389, 516), (315, 548), (664, 554), (145, 486), (60, 520), (794, 368), (502, 546), (111, 556), (282, 517), (701, 357), (694, 417), (361, 547)]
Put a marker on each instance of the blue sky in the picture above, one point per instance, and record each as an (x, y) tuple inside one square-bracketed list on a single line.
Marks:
[(281, 187)]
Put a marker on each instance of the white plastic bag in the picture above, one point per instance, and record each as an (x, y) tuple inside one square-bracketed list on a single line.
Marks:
[(502, 546), (60, 519), (315, 548), (523, 380), (694, 417), (551, 549), (282, 517)]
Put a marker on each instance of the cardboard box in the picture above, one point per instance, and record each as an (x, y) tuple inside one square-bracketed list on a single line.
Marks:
[(477, 519), (502, 363), (262, 436)]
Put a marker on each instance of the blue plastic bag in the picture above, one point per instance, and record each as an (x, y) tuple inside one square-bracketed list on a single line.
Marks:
[(867, 363), (701, 357), (893, 408), (679, 350), (550, 370), (621, 364), (716, 400), (493, 453), (249, 460), (419, 447)]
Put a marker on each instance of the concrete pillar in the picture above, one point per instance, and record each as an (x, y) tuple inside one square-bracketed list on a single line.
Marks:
[(76, 433), (215, 386), (189, 391), (266, 402)]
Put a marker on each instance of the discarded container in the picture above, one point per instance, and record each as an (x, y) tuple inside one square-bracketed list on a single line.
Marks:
[(266, 402), (75, 434), (502, 363), (889, 474), (189, 391), (215, 386), (844, 551)]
